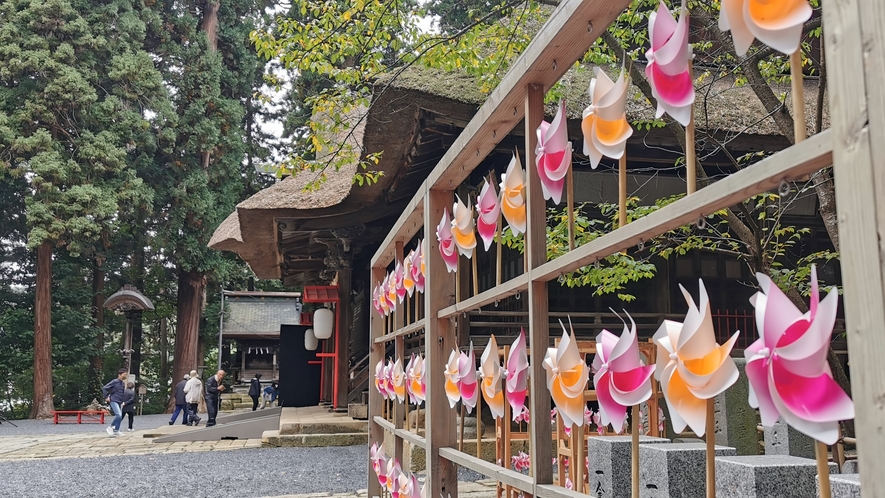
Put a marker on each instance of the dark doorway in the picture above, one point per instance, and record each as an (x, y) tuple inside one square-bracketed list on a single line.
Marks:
[(299, 380)]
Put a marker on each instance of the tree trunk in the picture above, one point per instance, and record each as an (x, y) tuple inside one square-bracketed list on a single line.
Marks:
[(43, 405), (191, 286), (96, 360), (164, 350), (136, 316)]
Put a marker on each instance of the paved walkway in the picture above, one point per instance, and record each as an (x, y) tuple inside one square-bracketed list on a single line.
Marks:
[(478, 489)]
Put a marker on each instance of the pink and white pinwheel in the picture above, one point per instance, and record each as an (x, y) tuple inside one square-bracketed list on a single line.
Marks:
[(567, 377), (553, 154), (447, 248), (619, 377), (776, 24), (491, 372), (488, 207), (381, 379), (408, 280), (463, 228), (669, 64), (604, 123), (691, 366), (407, 486), (513, 197), (418, 266), (383, 303), (398, 380), (517, 374), (787, 366), (391, 291), (376, 299), (379, 463), (452, 374), (394, 470), (469, 385), (416, 384), (399, 278)]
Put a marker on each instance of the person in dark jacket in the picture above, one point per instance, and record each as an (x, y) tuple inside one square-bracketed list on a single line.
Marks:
[(128, 406), (180, 402), (255, 391), (114, 392), (213, 396)]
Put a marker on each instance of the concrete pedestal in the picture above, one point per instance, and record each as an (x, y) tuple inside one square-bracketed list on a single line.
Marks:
[(769, 476), (610, 463), (844, 486), (784, 440), (675, 470)]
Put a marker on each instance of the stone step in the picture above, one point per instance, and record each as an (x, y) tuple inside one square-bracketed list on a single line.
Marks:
[(343, 427), (273, 439)]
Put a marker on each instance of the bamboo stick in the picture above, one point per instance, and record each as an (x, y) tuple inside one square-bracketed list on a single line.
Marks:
[(690, 154), (475, 274), (570, 205), (711, 449), (634, 453), (500, 235), (823, 468), (461, 430), (479, 425), (798, 96), (622, 190)]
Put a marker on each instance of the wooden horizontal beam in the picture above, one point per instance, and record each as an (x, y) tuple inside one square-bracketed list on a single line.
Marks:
[(408, 224), (553, 491), (564, 38), (506, 289), (408, 329), (792, 164), (509, 477), (411, 437)]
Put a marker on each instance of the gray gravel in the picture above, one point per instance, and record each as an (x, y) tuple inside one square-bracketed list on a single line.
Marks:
[(230, 473), (43, 427)]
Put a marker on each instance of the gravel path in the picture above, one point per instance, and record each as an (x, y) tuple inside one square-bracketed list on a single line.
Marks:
[(43, 427), (220, 474)]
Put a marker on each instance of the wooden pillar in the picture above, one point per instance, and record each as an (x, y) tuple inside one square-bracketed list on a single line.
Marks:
[(439, 339), (399, 409), (342, 341), (539, 329), (855, 49), (376, 403)]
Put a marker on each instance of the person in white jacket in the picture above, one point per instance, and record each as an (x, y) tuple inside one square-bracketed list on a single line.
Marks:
[(193, 391)]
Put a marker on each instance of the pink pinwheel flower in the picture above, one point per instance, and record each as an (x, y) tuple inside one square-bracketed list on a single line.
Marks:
[(553, 155), (517, 375), (604, 122), (568, 483), (382, 296), (523, 416), (398, 380), (391, 292), (512, 196), (381, 378), (661, 419), (406, 486), (520, 462), (452, 374), (418, 266), (776, 24), (588, 416), (447, 248), (669, 60), (415, 380), (553, 416), (567, 376), (376, 301), (600, 427), (399, 283), (488, 205), (463, 228), (408, 280), (379, 463), (787, 366), (393, 472), (619, 377), (468, 386), (491, 372)]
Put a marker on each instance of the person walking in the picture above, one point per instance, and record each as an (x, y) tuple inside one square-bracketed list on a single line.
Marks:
[(193, 389), (114, 392), (214, 388), (128, 406), (180, 402), (255, 390)]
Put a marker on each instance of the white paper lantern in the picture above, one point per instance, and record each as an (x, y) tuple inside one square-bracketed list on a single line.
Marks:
[(323, 323), (310, 340)]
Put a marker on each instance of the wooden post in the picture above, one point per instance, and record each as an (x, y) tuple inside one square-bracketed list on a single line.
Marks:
[(539, 329), (461, 428), (570, 202), (690, 154), (823, 469), (376, 403), (342, 339), (499, 244), (479, 423), (399, 354), (439, 339), (853, 37), (475, 273), (711, 449), (634, 452), (798, 96)]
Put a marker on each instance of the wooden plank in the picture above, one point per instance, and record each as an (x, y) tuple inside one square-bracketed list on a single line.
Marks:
[(539, 331), (408, 224), (439, 339), (488, 469), (795, 162), (552, 491), (564, 38), (508, 288), (399, 409), (376, 354), (408, 329), (411, 437), (854, 39)]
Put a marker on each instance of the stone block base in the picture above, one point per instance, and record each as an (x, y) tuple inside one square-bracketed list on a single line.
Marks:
[(676, 470), (774, 476), (844, 486), (610, 463)]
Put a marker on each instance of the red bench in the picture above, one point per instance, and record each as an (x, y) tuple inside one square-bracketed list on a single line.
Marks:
[(82, 416)]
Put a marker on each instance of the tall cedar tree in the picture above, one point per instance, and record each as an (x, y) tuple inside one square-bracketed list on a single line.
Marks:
[(75, 82)]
